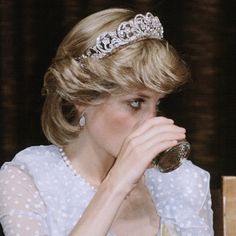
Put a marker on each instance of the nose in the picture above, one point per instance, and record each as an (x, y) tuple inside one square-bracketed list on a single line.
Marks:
[(152, 112)]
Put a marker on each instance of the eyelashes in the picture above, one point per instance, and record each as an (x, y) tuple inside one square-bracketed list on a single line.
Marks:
[(136, 104)]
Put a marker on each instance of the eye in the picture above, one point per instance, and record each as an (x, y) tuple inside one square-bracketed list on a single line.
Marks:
[(136, 104)]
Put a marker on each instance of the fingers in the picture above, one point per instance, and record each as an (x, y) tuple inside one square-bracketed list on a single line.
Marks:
[(153, 137), (152, 146), (163, 133), (142, 145), (163, 137), (158, 128), (149, 124)]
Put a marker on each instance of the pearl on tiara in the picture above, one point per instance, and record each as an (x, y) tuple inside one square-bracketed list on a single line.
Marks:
[(141, 27)]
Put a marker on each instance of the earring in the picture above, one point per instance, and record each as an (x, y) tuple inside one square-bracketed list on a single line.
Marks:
[(82, 120)]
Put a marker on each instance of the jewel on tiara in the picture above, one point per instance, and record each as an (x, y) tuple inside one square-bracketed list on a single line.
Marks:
[(141, 27)]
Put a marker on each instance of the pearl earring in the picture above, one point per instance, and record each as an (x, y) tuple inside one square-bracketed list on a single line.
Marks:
[(82, 120)]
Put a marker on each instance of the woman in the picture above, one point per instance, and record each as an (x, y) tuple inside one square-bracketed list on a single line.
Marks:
[(102, 92)]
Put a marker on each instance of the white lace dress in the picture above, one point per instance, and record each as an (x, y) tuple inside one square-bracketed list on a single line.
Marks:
[(39, 195)]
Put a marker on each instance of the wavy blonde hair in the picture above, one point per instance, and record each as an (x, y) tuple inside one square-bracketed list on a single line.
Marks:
[(149, 63)]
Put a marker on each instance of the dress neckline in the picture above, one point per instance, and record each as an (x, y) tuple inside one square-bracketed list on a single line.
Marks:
[(75, 173)]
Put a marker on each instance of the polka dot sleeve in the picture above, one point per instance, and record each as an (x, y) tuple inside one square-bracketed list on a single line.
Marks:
[(183, 199), (22, 211)]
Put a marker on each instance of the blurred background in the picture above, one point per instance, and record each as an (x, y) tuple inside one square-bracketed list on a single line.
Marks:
[(203, 31)]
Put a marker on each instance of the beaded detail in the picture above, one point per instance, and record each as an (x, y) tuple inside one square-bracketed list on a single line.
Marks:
[(40, 196), (69, 165)]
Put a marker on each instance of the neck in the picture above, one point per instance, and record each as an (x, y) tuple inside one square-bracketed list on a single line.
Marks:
[(89, 160)]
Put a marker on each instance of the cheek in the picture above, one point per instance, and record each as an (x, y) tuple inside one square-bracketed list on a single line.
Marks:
[(110, 128), (116, 130), (117, 126)]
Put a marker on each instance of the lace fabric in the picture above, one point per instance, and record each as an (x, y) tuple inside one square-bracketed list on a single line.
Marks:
[(39, 195)]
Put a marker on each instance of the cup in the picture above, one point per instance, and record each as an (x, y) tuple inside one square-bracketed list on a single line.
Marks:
[(173, 157)]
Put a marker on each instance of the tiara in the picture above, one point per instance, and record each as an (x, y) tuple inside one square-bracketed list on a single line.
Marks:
[(141, 27)]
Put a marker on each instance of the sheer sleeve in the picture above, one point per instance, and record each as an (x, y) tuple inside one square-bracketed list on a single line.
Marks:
[(206, 214), (183, 200), (22, 212)]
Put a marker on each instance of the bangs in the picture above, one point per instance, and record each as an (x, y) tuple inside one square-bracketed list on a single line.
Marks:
[(151, 63)]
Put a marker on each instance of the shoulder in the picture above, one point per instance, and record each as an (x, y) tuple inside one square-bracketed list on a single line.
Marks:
[(35, 159), (36, 152), (49, 153)]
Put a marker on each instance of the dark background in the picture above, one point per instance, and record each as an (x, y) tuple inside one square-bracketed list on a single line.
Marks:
[(203, 31)]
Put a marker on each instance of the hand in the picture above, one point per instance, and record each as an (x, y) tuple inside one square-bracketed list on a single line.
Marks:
[(140, 148)]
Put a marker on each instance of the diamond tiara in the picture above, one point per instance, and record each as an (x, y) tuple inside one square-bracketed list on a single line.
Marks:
[(141, 27)]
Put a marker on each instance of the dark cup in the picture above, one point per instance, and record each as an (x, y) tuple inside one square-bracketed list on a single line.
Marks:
[(173, 157)]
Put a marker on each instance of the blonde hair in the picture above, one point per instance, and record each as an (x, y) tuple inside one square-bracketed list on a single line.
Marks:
[(149, 63)]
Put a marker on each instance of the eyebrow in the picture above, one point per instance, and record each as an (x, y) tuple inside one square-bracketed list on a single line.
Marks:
[(146, 96), (143, 95)]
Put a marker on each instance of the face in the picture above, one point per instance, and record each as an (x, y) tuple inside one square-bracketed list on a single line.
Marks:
[(109, 123)]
